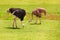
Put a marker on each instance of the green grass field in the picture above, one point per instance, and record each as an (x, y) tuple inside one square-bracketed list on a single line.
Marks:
[(48, 30), (51, 9)]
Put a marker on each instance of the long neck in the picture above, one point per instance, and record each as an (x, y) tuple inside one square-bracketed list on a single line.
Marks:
[(45, 13)]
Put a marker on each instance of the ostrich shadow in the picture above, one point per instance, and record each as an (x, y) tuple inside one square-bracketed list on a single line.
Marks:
[(11, 28)]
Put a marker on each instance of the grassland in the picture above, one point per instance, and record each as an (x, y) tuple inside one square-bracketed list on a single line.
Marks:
[(29, 2), (48, 30), (51, 9)]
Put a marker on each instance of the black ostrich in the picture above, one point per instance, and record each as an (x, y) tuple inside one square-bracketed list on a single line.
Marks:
[(17, 12)]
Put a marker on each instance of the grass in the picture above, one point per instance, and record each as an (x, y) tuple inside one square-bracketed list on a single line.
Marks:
[(51, 9), (29, 2), (48, 30)]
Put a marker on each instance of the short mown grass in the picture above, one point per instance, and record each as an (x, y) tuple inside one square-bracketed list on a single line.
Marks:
[(48, 30), (50, 8)]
